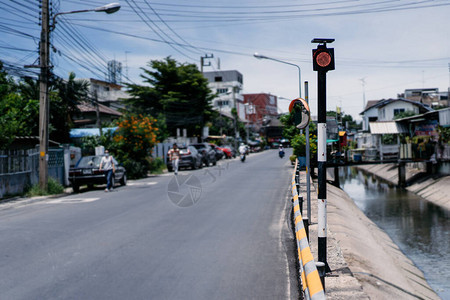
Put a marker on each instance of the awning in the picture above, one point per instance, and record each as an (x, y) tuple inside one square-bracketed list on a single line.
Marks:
[(388, 127)]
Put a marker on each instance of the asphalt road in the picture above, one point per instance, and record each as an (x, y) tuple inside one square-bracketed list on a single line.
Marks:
[(216, 233)]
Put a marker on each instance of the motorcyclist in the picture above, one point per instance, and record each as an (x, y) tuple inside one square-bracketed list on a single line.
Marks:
[(242, 151), (281, 151)]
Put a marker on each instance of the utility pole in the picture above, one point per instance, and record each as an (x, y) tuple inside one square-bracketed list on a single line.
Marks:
[(43, 97), (97, 112), (202, 61), (363, 82)]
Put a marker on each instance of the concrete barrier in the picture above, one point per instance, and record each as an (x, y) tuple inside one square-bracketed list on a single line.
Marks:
[(310, 279)]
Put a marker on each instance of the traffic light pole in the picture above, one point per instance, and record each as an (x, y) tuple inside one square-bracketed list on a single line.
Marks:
[(321, 164), (323, 61), (308, 162)]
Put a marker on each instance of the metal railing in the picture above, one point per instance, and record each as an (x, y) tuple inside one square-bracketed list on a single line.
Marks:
[(310, 280)]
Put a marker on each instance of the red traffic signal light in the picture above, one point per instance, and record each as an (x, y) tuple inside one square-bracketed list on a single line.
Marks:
[(323, 58)]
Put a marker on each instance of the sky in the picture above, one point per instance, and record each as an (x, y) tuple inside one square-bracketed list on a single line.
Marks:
[(381, 47)]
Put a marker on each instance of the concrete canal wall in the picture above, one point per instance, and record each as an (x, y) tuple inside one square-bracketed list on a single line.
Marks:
[(365, 262), (433, 189)]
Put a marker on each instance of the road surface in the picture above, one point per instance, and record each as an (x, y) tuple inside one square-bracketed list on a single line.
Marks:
[(216, 233)]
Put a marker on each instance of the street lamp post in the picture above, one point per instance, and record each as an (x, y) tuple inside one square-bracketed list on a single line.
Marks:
[(308, 163), (44, 65), (260, 56)]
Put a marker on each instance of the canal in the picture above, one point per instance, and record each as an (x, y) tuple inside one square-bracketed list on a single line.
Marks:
[(420, 228)]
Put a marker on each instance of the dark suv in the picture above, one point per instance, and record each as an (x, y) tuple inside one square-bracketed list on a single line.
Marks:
[(208, 153), (189, 158)]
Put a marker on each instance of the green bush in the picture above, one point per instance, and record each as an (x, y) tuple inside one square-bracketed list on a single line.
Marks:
[(136, 169), (53, 188), (157, 165)]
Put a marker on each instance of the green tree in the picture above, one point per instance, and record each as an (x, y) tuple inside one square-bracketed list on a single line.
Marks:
[(65, 96), (176, 93), (19, 107), (404, 114), (297, 139), (17, 114)]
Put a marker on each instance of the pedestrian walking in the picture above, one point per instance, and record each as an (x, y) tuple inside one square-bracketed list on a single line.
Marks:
[(174, 156), (107, 164)]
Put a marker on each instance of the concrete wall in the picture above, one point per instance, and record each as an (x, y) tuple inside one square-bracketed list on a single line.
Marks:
[(15, 181)]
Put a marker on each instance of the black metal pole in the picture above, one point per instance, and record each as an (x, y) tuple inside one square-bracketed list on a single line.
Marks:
[(321, 163)]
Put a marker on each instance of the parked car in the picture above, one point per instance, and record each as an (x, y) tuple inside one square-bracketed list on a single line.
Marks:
[(219, 152), (226, 152), (87, 172), (208, 153), (190, 157), (229, 151)]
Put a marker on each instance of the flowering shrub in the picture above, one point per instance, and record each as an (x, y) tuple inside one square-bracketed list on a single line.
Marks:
[(133, 141)]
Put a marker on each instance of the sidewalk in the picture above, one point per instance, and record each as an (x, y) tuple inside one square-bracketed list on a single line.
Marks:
[(365, 263)]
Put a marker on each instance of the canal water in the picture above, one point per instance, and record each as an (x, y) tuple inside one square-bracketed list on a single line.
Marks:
[(421, 229)]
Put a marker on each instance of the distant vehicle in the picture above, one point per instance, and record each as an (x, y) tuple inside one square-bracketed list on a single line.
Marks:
[(229, 151), (219, 151), (87, 172), (189, 158), (208, 153), (226, 152)]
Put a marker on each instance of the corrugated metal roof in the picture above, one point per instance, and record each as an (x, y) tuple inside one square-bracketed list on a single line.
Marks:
[(389, 127), (444, 117)]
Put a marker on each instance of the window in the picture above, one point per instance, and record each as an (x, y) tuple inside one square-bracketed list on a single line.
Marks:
[(398, 111), (272, 100), (218, 79), (222, 91), (222, 103)]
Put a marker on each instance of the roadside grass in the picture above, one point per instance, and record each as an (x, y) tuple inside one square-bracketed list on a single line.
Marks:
[(53, 188)]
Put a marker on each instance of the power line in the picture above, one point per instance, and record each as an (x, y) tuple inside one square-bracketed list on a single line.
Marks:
[(141, 15)]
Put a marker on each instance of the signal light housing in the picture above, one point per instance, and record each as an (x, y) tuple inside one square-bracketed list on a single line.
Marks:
[(323, 58)]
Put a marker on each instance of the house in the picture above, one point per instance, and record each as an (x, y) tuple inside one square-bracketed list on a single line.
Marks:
[(380, 133), (387, 109), (259, 106), (429, 96), (272, 130), (107, 93), (92, 116)]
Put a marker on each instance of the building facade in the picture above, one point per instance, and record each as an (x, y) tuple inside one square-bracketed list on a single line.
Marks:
[(257, 107), (228, 86), (107, 93), (387, 109)]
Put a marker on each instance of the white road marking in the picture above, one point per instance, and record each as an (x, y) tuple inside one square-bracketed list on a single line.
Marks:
[(141, 183), (70, 200)]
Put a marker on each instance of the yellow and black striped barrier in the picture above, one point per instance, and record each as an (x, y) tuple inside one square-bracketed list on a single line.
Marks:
[(311, 283)]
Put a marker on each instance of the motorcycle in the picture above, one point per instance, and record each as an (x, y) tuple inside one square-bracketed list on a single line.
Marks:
[(243, 157), (281, 153)]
